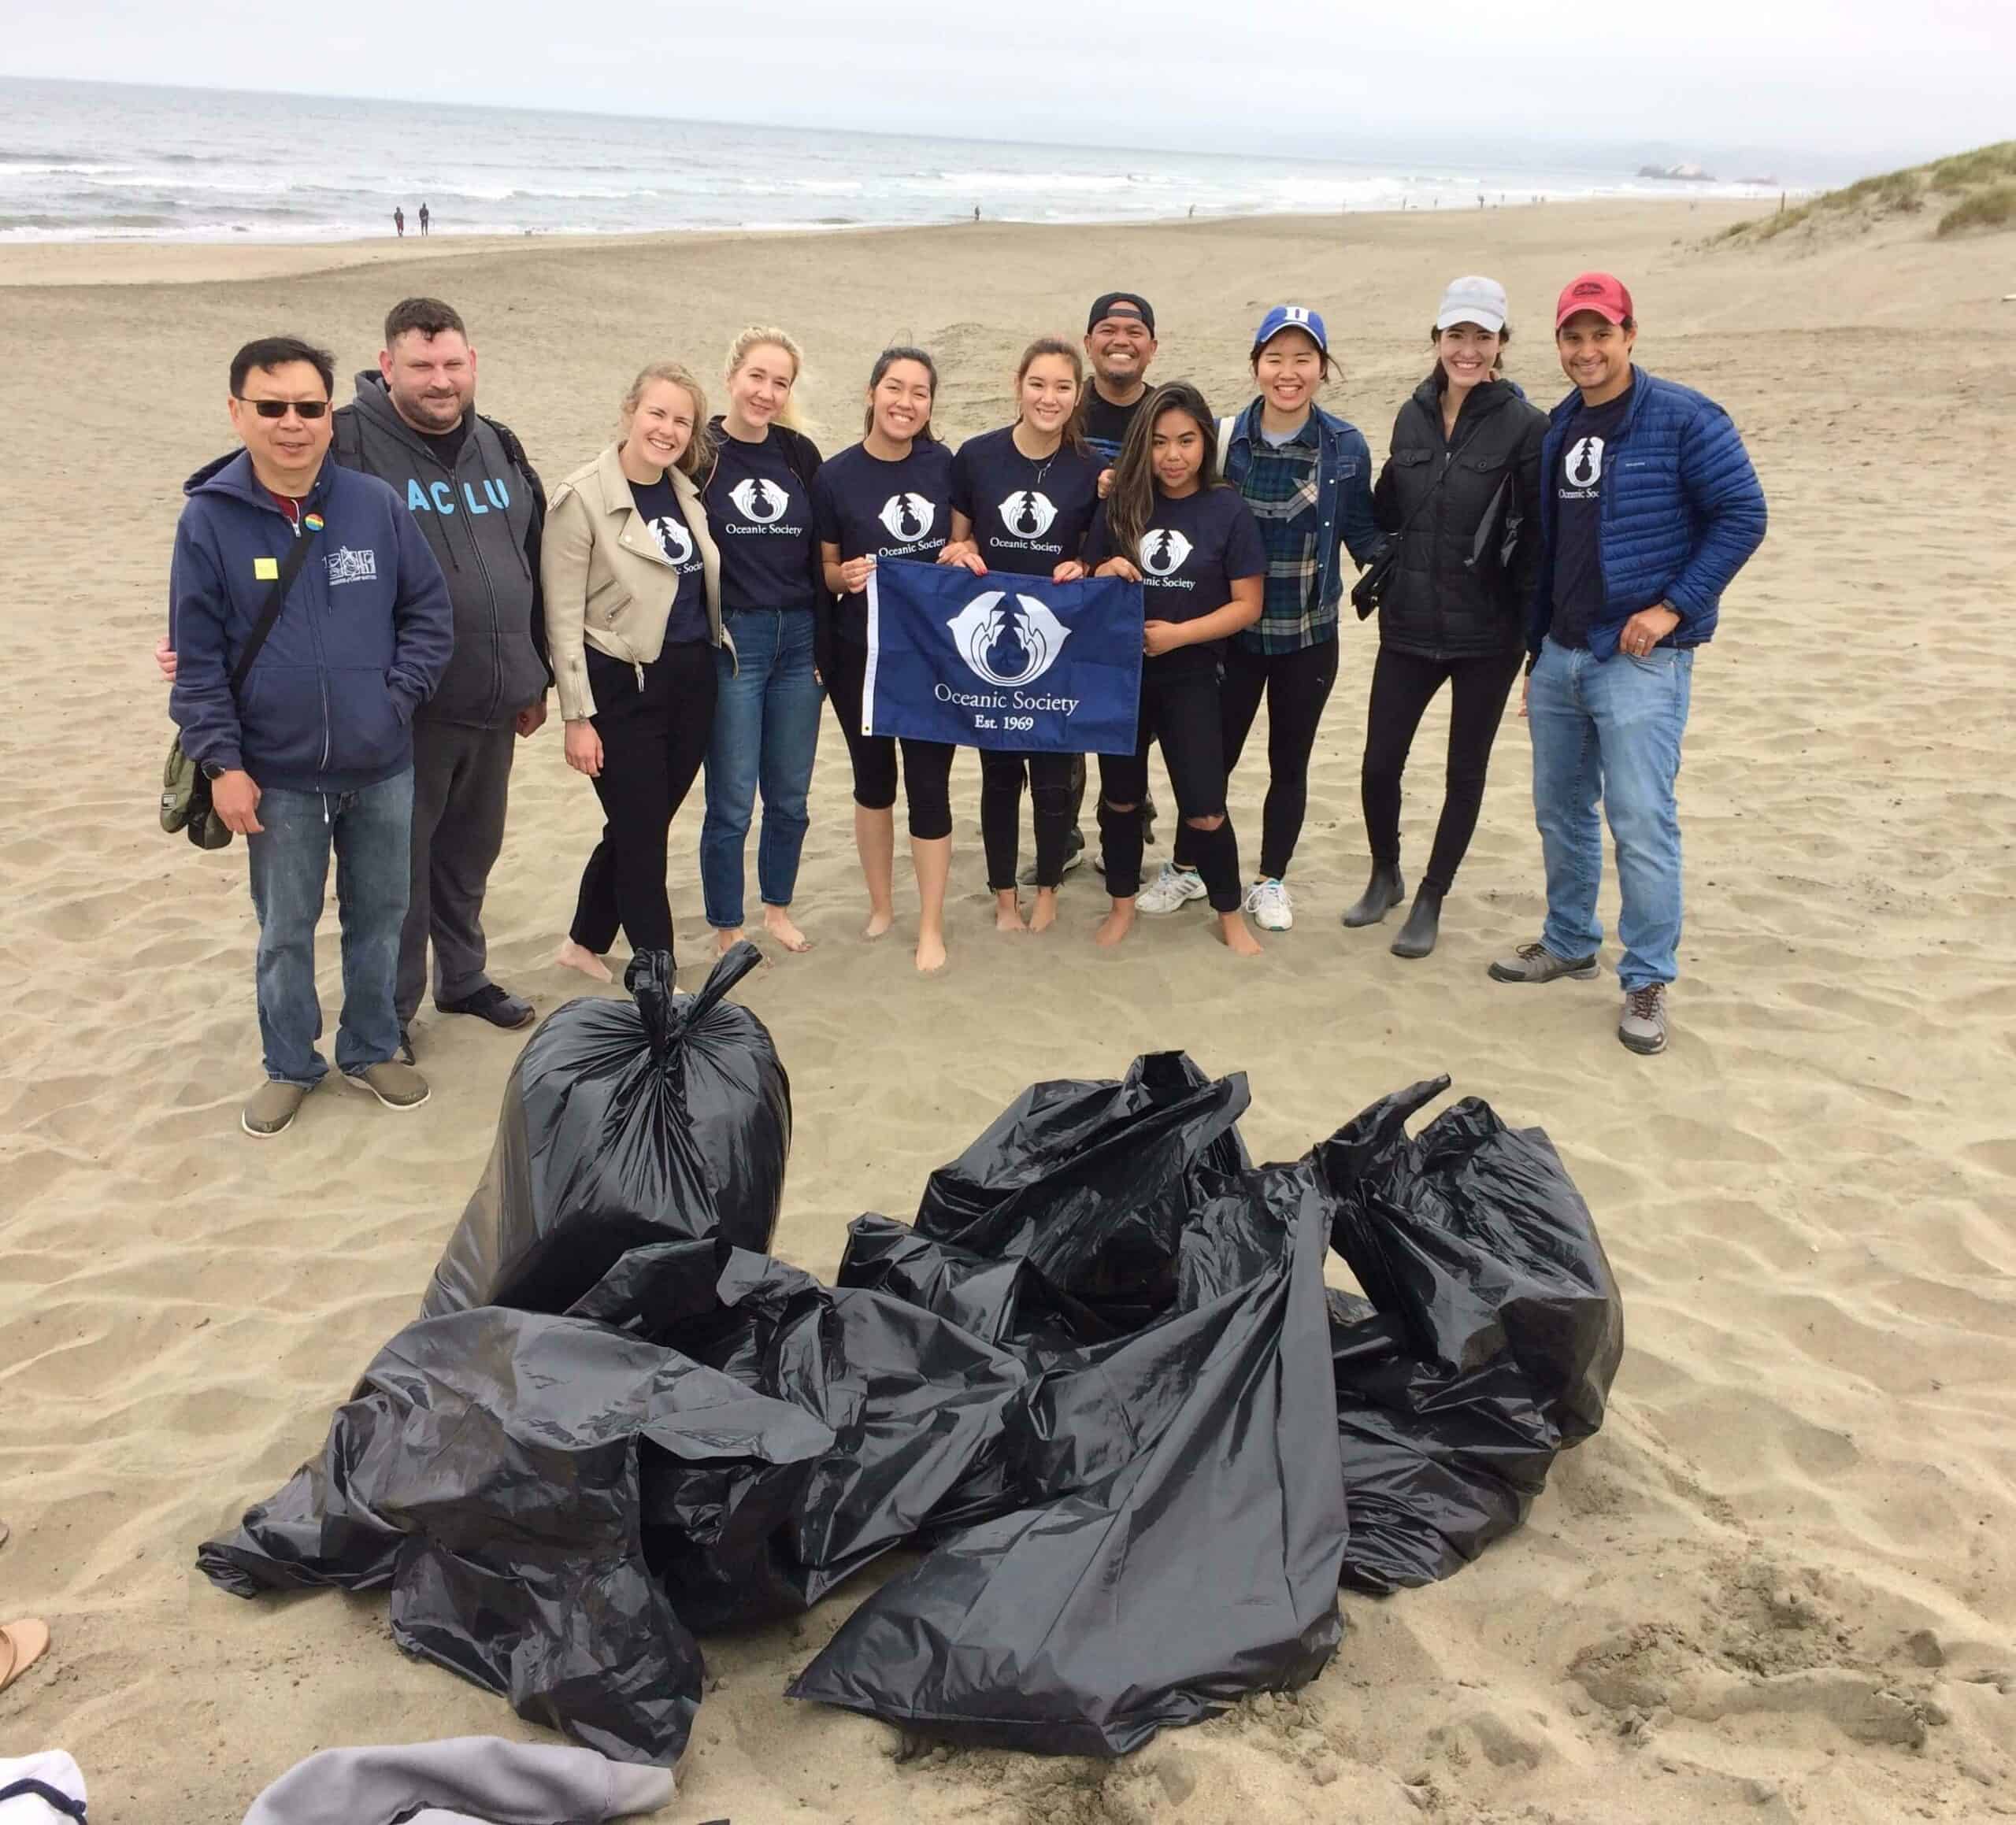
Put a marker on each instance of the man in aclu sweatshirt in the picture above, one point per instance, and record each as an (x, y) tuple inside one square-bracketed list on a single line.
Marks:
[(314, 752)]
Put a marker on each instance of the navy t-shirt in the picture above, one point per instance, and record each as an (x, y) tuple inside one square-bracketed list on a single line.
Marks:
[(1106, 424), (1028, 517), (872, 508), (660, 507), (1193, 550), (1577, 482), (762, 516)]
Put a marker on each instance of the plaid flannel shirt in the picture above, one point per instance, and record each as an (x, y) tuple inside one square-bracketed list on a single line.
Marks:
[(1280, 487)]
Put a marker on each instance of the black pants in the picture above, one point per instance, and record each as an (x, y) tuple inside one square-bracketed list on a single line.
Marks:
[(1001, 777), (1296, 686), (1403, 686), (461, 779), (653, 739), (927, 765), (1185, 715)]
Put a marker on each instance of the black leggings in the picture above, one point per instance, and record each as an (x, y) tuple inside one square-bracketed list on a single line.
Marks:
[(927, 765), (653, 739), (1184, 714), (1296, 685), (1001, 777), (1402, 685)]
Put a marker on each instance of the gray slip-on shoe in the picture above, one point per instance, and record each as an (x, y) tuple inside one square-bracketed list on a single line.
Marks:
[(397, 1086), (271, 1108)]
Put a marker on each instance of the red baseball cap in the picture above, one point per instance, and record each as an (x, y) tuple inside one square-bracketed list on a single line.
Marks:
[(1596, 291)]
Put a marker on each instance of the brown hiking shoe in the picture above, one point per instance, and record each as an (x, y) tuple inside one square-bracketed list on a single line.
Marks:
[(397, 1086), (272, 1107)]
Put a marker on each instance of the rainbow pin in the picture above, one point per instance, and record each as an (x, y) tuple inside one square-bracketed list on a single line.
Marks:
[(312, 521)]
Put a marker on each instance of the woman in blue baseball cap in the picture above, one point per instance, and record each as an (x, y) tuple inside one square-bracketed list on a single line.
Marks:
[(1307, 476)]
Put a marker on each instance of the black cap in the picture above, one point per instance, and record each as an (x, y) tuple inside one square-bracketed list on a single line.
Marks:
[(1135, 303)]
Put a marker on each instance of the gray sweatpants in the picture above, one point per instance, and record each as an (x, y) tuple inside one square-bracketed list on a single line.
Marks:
[(461, 779)]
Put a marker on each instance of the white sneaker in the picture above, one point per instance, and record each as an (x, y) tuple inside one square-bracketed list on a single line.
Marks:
[(1173, 888), (1269, 907)]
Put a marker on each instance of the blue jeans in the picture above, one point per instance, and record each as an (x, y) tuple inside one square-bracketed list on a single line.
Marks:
[(371, 833), (1611, 730), (766, 731)]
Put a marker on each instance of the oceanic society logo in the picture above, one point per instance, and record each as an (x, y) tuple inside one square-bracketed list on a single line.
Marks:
[(760, 502), (674, 541), (1027, 513), (1008, 639), (1584, 464), (348, 566), (907, 517), (1163, 553)]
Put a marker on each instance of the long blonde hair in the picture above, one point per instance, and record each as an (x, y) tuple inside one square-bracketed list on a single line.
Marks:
[(699, 451), (756, 336)]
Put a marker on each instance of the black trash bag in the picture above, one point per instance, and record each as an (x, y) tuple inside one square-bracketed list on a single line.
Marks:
[(988, 1297), (917, 1408), (1191, 1525), (1493, 1330), (510, 1463), (1090, 1183), (663, 1118)]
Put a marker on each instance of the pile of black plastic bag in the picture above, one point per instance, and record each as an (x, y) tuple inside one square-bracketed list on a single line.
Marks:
[(1098, 1385)]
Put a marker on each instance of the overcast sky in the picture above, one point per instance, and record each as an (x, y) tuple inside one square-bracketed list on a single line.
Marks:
[(1867, 82)]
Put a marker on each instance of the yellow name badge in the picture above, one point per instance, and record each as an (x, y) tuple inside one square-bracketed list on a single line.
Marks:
[(266, 569)]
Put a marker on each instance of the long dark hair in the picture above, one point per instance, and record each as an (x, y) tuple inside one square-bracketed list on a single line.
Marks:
[(1074, 426), (1131, 503), (884, 362)]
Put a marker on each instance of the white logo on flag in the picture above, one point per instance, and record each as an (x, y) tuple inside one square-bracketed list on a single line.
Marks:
[(1008, 639)]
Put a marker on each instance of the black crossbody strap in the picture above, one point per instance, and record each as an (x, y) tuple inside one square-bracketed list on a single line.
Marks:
[(275, 600)]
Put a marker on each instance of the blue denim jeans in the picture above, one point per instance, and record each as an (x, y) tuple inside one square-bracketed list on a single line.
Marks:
[(1611, 730), (371, 833), (766, 731)]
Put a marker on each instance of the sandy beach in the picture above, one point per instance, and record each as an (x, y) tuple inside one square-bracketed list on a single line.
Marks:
[(1779, 1586)]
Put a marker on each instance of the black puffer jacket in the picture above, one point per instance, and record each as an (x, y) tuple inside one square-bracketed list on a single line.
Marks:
[(1454, 593)]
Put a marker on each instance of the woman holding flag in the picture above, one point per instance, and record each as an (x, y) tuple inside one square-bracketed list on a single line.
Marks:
[(1193, 545), (889, 496), (1022, 498)]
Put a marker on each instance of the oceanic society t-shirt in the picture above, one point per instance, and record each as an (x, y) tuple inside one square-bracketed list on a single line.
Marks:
[(1028, 516), (1578, 485), (1193, 550), (660, 507), (872, 508), (762, 516)]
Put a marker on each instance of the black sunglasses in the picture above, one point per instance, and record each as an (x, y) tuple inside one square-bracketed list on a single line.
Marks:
[(280, 408)]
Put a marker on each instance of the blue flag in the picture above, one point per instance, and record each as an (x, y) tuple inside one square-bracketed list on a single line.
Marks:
[(1002, 661)]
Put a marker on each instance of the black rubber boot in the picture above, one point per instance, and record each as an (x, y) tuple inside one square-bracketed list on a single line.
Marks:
[(1417, 936), (1384, 892)]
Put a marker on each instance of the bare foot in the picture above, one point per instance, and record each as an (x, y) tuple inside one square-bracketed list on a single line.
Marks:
[(930, 951), (1008, 913), (776, 921), (726, 941), (1045, 913), (879, 922), (1115, 924), (1233, 935), (578, 956)]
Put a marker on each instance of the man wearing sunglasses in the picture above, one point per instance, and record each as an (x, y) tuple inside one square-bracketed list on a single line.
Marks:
[(313, 753)]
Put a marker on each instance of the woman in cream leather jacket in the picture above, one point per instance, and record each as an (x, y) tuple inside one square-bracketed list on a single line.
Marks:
[(632, 586)]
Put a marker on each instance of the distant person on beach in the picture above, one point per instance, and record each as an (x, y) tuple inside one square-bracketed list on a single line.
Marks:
[(627, 532), (1649, 507), (1022, 497), (889, 496), (976, 211), (314, 752), (399, 222), (1459, 497), (1172, 525), (777, 612), (466, 480), (1307, 476), (425, 217)]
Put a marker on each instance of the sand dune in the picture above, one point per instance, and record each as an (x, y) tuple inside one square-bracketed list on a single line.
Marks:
[(1778, 1586)]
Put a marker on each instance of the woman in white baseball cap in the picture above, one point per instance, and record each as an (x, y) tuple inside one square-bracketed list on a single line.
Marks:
[(1459, 501)]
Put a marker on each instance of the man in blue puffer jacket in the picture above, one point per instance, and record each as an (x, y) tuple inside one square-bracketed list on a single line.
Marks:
[(315, 749), (1648, 508)]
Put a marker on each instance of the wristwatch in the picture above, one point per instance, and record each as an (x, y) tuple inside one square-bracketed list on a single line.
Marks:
[(214, 770)]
